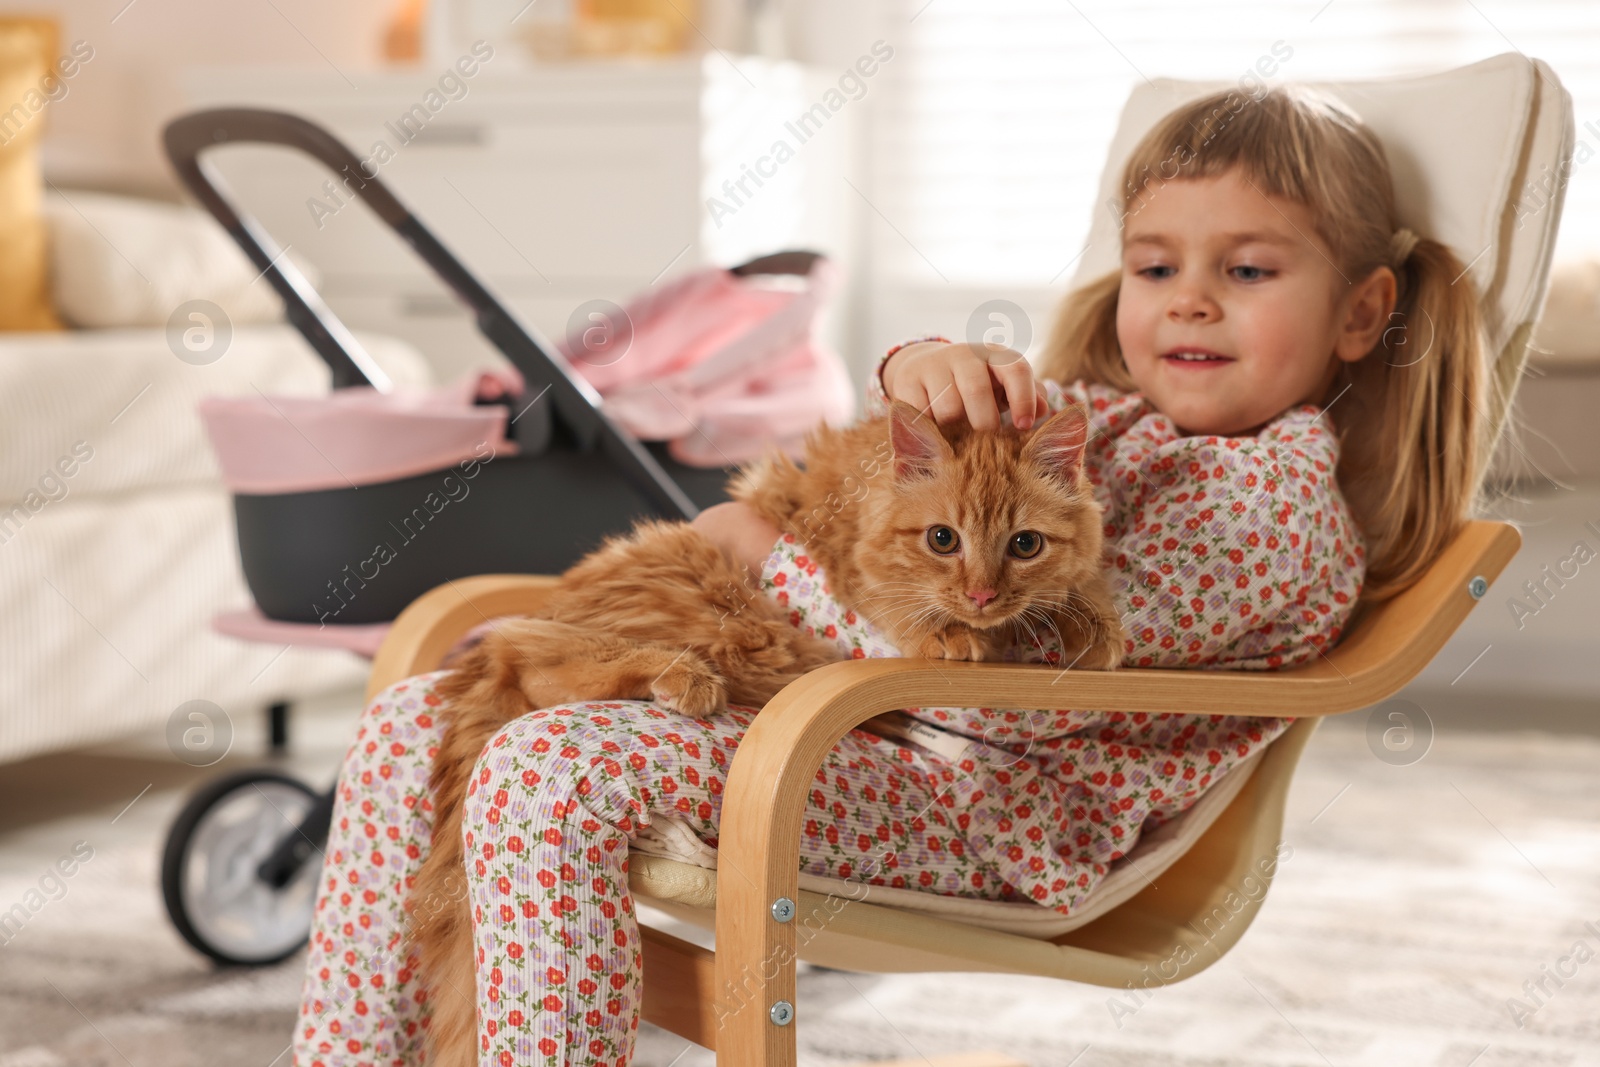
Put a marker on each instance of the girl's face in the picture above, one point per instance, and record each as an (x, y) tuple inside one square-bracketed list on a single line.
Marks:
[(1231, 310)]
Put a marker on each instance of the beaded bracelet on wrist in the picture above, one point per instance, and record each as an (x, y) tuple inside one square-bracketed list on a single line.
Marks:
[(884, 362)]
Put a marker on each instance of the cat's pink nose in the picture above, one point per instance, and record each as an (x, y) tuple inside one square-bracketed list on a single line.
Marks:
[(980, 597)]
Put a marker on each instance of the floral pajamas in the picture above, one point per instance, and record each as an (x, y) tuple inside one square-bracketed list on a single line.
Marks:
[(1224, 552)]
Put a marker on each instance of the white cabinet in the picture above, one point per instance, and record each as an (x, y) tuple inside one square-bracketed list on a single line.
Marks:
[(555, 185)]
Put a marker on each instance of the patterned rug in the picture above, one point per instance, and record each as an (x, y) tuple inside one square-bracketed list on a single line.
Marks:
[(1444, 913)]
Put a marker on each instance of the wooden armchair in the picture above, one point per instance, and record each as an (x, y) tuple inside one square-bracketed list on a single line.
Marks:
[(709, 998), (740, 999)]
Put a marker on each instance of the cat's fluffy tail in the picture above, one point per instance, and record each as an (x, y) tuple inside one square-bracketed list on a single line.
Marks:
[(481, 695)]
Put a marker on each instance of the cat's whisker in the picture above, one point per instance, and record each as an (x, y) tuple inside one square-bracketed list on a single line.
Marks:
[(1033, 635), (903, 605), (914, 595), (1049, 621), (890, 583), (932, 611), (1061, 641), (887, 592), (892, 597), (1068, 605), (1043, 616), (1045, 610), (921, 607), (1074, 614)]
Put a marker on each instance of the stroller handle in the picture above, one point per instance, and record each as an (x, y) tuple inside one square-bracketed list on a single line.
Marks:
[(575, 403), (186, 137)]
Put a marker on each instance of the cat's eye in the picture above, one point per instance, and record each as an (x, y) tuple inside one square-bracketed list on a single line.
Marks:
[(1026, 544), (943, 540)]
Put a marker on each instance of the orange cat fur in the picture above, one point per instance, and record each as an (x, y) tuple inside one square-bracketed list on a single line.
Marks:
[(662, 614), (987, 488)]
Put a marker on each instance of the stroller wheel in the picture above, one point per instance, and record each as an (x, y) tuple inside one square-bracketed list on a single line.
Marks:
[(209, 869)]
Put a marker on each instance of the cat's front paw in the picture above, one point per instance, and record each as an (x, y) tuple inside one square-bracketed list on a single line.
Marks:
[(691, 687), (957, 642), (1104, 652)]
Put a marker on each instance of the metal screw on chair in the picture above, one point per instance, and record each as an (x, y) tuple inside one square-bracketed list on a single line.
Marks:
[(782, 1013), (1478, 586), (783, 909)]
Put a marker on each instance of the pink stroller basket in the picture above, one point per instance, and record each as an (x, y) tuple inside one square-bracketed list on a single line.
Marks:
[(719, 366)]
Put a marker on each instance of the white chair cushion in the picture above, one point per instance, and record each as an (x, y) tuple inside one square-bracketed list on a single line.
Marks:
[(672, 866)]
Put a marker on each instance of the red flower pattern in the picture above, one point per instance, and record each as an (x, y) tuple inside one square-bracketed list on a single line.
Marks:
[(1225, 552)]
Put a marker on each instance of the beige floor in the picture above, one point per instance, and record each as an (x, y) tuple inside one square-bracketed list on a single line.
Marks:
[(1418, 900)]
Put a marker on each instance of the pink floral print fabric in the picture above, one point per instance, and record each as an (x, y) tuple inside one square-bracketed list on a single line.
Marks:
[(1224, 552), (548, 817)]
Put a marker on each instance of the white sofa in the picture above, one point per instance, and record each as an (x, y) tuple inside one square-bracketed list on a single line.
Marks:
[(116, 534)]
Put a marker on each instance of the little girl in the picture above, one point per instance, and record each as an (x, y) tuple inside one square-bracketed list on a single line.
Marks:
[(1281, 383)]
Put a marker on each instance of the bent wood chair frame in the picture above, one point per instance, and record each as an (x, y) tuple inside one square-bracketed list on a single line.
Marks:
[(759, 838)]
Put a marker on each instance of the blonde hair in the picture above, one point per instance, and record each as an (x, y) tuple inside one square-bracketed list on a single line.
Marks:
[(1411, 455)]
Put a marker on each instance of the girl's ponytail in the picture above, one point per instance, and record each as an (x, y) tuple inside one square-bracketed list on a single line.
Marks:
[(1083, 342), (1411, 457)]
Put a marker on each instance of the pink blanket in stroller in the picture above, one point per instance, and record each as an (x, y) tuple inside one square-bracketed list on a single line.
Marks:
[(720, 365), (723, 365)]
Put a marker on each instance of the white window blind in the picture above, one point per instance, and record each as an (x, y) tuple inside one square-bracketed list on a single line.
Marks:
[(989, 142)]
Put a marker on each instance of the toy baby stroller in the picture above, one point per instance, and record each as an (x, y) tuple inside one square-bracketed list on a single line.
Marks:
[(349, 507)]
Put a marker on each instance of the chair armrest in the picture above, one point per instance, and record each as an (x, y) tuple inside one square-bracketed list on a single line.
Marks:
[(433, 623), (759, 833), (1391, 645)]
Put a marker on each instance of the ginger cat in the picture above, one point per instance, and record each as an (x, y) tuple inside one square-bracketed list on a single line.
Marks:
[(947, 539)]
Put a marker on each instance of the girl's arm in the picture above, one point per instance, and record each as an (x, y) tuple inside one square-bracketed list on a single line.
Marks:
[(741, 533)]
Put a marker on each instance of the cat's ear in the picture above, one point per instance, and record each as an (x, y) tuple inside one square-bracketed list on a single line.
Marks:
[(1057, 444), (918, 446)]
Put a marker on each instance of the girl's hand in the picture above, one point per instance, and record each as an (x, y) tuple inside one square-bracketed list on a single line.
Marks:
[(968, 381)]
